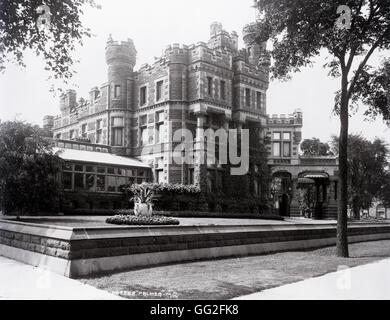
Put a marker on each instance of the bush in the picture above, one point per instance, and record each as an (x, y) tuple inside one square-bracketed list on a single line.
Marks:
[(141, 220), (224, 215)]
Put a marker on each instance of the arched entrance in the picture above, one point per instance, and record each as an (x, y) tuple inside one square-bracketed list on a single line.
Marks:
[(281, 189), (314, 189)]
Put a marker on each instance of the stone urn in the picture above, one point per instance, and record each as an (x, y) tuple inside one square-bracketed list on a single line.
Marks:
[(143, 209)]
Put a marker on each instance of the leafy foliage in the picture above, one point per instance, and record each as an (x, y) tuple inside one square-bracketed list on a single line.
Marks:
[(28, 169), (145, 192), (141, 220), (314, 147), (19, 31), (368, 163), (299, 30)]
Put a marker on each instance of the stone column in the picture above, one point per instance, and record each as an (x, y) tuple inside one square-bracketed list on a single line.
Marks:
[(200, 167)]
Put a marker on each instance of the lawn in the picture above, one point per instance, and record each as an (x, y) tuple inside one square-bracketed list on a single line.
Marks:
[(229, 278)]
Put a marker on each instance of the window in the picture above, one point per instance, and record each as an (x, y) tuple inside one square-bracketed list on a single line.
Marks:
[(286, 135), (223, 90), (58, 136), (67, 180), (99, 131), (84, 130), (99, 124), (144, 136), (90, 169), (101, 170), (111, 183), (142, 96), (117, 122), (90, 182), (276, 149), (117, 136), (150, 135), (100, 183), (71, 134), (159, 133), (286, 149), (143, 120), (79, 181), (117, 91), (78, 167), (209, 86), (121, 181), (159, 90), (258, 100), (276, 135), (160, 116), (111, 170), (191, 176), (248, 97)]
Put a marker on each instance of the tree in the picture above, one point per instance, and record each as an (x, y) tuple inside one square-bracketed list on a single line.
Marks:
[(28, 169), (300, 29), (50, 28), (367, 171), (314, 147), (384, 196)]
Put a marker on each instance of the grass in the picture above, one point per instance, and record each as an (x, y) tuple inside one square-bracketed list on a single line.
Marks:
[(229, 278)]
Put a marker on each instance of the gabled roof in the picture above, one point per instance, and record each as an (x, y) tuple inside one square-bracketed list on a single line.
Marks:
[(98, 157)]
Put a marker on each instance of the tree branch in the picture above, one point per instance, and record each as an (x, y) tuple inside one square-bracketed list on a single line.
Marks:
[(364, 62)]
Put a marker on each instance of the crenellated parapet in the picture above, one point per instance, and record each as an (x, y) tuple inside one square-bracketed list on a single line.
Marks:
[(176, 53), (295, 118), (122, 52)]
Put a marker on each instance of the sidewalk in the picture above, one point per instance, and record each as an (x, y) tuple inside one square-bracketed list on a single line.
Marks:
[(19, 281), (368, 282)]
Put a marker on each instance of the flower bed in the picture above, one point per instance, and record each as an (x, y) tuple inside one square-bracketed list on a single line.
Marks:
[(142, 220)]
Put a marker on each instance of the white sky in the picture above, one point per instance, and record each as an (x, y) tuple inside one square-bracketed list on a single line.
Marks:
[(153, 24)]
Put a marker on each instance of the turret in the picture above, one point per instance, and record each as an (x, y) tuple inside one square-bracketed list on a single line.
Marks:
[(298, 116), (68, 101), (221, 39), (255, 51), (121, 59)]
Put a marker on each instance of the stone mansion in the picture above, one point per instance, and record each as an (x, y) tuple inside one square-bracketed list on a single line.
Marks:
[(109, 139)]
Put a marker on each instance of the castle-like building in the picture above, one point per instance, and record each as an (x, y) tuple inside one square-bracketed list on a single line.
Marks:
[(204, 85)]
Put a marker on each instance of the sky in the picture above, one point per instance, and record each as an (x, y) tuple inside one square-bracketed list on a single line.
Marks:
[(154, 24)]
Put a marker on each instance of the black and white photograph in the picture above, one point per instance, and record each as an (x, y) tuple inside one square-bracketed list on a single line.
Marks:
[(209, 151)]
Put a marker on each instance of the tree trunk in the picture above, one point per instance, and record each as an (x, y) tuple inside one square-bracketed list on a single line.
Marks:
[(342, 214)]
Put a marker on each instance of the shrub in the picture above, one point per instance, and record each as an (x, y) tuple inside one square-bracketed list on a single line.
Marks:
[(141, 220)]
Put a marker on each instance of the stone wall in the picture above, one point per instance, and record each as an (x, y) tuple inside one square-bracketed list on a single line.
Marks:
[(86, 251)]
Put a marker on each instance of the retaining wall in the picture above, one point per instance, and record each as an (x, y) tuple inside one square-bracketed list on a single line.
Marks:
[(77, 252)]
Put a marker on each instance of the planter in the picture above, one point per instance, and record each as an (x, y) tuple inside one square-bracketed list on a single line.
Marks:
[(143, 209)]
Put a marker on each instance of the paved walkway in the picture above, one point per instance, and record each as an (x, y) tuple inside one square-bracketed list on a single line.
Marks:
[(19, 281), (366, 282)]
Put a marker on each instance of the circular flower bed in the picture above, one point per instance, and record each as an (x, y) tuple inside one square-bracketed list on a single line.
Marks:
[(142, 220)]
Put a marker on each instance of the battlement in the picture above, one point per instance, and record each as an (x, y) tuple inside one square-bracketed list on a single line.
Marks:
[(293, 118), (123, 52)]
